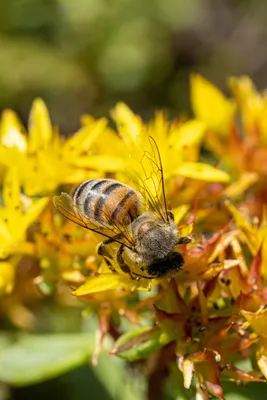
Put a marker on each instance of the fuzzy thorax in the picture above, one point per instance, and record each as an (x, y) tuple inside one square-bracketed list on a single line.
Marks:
[(154, 240)]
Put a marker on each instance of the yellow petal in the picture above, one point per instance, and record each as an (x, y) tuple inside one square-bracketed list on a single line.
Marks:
[(186, 230), (7, 276), (257, 320), (102, 283), (5, 240), (129, 125), (201, 171), (179, 212), (251, 104), (189, 134), (111, 281), (262, 363), (238, 188), (82, 140), (210, 105), (101, 162), (33, 212), (250, 234), (22, 248), (11, 188), (40, 128), (245, 92), (73, 276), (11, 131)]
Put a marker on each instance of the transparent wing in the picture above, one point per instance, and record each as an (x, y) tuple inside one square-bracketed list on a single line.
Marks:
[(151, 181), (120, 234)]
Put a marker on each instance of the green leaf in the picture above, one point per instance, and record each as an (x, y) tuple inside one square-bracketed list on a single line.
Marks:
[(118, 379), (251, 391), (138, 344), (36, 358)]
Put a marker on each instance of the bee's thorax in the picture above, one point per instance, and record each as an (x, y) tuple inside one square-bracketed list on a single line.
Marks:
[(154, 239)]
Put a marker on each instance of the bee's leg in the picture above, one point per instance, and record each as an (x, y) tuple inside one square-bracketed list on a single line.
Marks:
[(144, 276), (103, 251), (124, 267), (184, 240)]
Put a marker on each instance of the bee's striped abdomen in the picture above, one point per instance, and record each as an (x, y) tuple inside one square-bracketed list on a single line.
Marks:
[(106, 201)]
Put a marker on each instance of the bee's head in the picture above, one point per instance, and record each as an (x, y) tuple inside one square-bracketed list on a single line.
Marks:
[(167, 267)]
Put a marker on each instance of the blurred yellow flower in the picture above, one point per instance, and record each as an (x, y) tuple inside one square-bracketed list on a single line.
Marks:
[(45, 160), (7, 277), (253, 109), (17, 214), (179, 145), (210, 106)]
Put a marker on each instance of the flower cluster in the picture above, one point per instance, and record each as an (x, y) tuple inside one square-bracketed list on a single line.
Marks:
[(206, 318)]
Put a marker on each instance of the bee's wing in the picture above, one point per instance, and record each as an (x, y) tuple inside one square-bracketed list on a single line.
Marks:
[(66, 206), (151, 183)]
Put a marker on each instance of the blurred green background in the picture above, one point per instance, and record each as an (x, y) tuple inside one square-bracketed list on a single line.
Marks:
[(82, 56)]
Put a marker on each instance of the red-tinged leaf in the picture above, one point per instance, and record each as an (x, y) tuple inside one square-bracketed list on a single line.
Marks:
[(217, 338), (255, 272), (252, 301), (171, 323), (202, 356), (215, 389), (163, 315), (246, 343), (234, 374), (210, 373), (138, 344), (216, 237), (210, 286), (172, 302), (203, 305), (188, 227), (102, 331)]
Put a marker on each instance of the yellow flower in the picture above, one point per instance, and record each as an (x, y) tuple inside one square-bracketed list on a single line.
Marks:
[(253, 109), (11, 132), (257, 320), (240, 147), (254, 236), (7, 277), (17, 214), (210, 106), (179, 144), (45, 160), (107, 152)]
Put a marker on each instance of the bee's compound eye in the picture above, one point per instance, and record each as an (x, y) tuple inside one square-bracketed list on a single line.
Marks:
[(170, 215)]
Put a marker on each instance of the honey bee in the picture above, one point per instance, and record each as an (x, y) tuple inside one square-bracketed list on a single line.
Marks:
[(136, 219)]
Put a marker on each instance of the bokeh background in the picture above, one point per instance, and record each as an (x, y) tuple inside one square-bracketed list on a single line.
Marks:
[(82, 56)]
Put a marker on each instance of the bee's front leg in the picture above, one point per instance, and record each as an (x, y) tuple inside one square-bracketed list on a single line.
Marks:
[(103, 251), (184, 240)]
